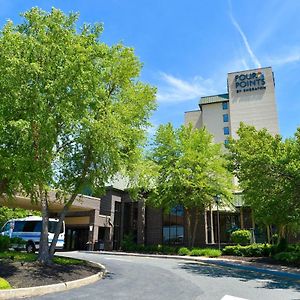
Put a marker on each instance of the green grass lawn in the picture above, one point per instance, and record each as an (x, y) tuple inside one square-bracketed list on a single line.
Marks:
[(31, 257)]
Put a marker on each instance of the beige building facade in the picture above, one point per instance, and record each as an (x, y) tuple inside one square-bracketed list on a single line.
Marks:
[(250, 99)]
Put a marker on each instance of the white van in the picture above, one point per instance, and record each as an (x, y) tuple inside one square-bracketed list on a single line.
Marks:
[(29, 229)]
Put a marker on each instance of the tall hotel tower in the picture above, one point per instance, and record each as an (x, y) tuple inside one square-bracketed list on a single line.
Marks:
[(250, 99)]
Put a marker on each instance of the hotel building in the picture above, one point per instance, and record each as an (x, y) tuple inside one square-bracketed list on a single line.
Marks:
[(250, 99)]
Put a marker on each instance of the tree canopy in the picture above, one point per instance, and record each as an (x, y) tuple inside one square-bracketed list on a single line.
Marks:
[(191, 170), (72, 111), (14, 213), (268, 169)]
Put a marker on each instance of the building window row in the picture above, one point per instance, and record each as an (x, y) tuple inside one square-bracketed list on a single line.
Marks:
[(226, 130), (225, 105), (225, 118)]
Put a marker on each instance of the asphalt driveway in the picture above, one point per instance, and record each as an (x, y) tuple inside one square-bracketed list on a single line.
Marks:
[(156, 278)]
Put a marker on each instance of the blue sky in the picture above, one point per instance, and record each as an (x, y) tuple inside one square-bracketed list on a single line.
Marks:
[(188, 47)]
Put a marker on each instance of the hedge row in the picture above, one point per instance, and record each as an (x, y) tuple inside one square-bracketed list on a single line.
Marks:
[(163, 249), (253, 250), (289, 253), (289, 257), (208, 252)]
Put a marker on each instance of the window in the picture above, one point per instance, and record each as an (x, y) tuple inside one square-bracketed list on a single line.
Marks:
[(225, 118), (173, 230), (225, 105), (226, 142), (6, 227), (226, 130), (18, 226), (29, 226)]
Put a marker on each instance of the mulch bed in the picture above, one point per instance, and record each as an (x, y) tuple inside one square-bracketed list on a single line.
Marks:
[(268, 262), (31, 274)]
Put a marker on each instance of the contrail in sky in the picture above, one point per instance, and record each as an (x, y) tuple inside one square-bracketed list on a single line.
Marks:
[(243, 36)]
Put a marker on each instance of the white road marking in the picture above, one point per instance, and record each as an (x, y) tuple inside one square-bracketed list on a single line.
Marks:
[(228, 297)]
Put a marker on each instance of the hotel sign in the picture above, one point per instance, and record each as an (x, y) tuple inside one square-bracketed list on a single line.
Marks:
[(249, 82)]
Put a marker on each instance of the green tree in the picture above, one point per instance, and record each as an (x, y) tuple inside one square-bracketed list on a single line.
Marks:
[(14, 213), (72, 111), (191, 171), (268, 172)]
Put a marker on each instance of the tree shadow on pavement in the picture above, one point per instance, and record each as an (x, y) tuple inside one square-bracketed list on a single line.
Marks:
[(267, 281)]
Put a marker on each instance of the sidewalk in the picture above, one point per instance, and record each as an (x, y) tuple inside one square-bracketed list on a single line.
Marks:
[(277, 270)]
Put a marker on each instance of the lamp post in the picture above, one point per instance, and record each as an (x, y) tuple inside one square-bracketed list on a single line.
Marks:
[(217, 199)]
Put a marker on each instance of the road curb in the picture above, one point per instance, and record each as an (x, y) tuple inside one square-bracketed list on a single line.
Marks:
[(230, 263), (52, 288)]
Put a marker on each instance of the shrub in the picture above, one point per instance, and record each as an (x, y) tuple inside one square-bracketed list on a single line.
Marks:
[(290, 257), (128, 244), (208, 252), (254, 250), (233, 250), (293, 248), (152, 249), (4, 285), (212, 252), (241, 237), (275, 238), (196, 252), (183, 251), (282, 246), (167, 249), (4, 243), (17, 243)]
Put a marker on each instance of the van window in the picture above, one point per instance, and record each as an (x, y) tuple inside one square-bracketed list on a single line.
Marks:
[(38, 226), (33, 226), (18, 226), (29, 226), (6, 227)]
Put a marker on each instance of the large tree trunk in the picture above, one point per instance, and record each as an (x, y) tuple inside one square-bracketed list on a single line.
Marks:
[(268, 234), (59, 224), (57, 231), (281, 232), (188, 223), (205, 226), (195, 226), (212, 234), (44, 257), (70, 202)]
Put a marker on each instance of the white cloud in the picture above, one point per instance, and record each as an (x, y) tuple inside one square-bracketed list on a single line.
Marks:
[(173, 89), (252, 55), (284, 59)]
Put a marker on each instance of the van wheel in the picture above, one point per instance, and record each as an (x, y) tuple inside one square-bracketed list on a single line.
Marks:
[(30, 248)]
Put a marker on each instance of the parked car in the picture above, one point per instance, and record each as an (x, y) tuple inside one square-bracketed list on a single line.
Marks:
[(29, 229)]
